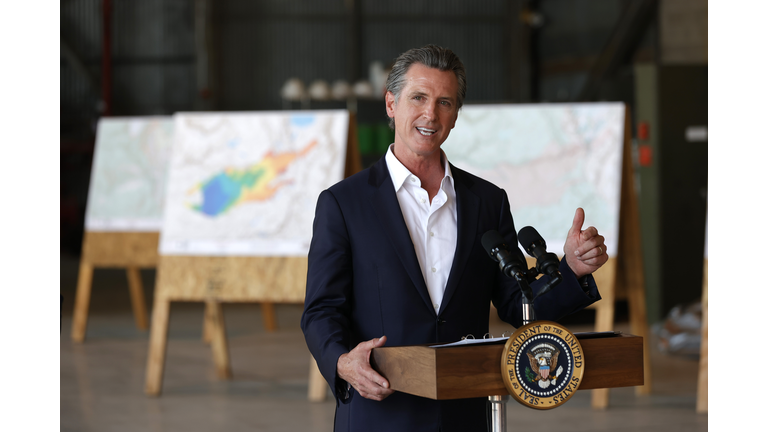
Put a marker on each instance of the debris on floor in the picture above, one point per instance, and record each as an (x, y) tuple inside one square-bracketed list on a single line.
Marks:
[(680, 333)]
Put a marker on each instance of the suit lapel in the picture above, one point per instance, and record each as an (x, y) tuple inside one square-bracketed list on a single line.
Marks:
[(390, 217), (467, 208)]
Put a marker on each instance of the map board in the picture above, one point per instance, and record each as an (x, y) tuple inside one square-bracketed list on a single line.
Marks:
[(247, 183), (127, 187), (550, 159)]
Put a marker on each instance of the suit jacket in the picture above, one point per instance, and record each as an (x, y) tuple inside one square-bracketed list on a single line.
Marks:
[(364, 281)]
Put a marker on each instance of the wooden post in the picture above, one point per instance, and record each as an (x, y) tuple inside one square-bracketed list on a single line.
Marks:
[(208, 318), (158, 340), (268, 316), (317, 386), (82, 300), (137, 297), (702, 395), (219, 343)]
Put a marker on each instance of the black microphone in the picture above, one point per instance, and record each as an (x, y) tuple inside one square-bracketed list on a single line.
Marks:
[(497, 249), (534, 244)]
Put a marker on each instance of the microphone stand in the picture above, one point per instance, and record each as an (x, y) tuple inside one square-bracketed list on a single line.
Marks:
[(529, 314), (498, 403)]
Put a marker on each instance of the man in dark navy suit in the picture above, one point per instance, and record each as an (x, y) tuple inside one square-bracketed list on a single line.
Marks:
[(396, 258)]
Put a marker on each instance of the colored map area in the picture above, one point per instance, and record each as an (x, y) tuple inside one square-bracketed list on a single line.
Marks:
[(247, 183), (129, 173), (550, 159), (232, 186)]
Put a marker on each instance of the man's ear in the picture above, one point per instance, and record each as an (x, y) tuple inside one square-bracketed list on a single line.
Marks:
[(390, 103)]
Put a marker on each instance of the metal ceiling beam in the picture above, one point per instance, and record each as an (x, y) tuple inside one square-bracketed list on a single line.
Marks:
[(627, 35)]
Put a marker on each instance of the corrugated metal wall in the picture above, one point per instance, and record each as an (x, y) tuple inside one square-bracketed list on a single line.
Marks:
[(262, 44), (258, 45), (476, 31), (152, 56), (81, 32), (586, 25)]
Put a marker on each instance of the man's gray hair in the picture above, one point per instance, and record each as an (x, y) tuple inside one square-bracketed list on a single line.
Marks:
[(431, 56)]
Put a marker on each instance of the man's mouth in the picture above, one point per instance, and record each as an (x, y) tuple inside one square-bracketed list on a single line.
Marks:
[(425, 131)]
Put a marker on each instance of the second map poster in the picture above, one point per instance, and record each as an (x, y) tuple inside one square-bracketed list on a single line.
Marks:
[(247, 183), (551, 159)]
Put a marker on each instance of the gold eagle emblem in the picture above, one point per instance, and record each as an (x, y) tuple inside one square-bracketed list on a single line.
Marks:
[(542, 365)]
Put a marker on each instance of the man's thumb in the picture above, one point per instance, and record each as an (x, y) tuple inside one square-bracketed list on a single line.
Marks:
[(578, 222), (379, 342)]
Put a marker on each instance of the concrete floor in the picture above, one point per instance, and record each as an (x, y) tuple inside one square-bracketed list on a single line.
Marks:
[(102, 379)]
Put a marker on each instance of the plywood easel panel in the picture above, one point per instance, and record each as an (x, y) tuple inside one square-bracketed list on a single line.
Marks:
[(232, 279), (120, 249)]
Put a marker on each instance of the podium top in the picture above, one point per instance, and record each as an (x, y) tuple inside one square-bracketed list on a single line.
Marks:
[(469, 371)]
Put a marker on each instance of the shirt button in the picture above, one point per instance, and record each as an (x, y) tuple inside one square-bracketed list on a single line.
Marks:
[(431, 234), (413, 179), (434, 269), (437, 306), (423, 200)]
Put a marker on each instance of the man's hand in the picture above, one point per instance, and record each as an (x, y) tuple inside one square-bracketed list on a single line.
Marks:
[(585, 251), (355, 368)]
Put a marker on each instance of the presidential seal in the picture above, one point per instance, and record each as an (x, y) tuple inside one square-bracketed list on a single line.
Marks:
[(542, 364)]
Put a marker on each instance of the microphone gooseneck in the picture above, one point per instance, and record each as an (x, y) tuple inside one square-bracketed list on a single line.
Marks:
[(509, 263), (546, 262)]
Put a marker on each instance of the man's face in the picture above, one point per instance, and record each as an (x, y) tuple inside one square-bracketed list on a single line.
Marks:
[(426, 111)]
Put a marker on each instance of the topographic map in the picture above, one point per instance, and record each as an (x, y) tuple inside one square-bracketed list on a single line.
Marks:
[(130, 163), (550, 159), (247, 183)]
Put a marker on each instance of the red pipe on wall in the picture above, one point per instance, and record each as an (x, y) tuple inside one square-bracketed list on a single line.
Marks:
[(106, 58)]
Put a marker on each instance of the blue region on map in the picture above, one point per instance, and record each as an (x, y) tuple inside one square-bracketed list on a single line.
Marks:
[(218, 194)]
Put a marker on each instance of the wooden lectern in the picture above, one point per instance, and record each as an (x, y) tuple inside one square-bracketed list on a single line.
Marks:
[(475, 370)]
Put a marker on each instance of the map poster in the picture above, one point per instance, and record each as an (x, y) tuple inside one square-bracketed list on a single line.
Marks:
[(550, 159), (130, 163), (247, 183)]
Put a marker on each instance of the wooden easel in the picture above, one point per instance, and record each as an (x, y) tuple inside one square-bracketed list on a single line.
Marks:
[(622, 276), (132, 251), (129, 250), (214, 280)]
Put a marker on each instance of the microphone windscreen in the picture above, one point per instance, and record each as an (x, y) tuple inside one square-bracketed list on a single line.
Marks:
[(528, 236), (491, 240)]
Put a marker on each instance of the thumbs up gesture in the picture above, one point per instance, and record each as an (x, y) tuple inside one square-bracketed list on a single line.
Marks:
[(585, 250)]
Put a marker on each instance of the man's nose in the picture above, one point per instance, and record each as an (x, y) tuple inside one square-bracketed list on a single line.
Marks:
[(430, 112)]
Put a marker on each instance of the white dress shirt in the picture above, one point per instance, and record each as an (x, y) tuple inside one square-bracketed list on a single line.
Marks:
[(432, 226)]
